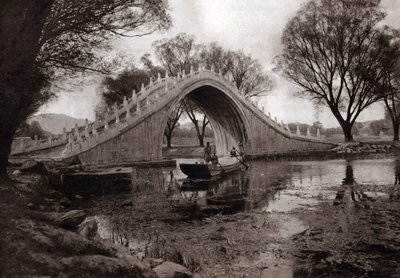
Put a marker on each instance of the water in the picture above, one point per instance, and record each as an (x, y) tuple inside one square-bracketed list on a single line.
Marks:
[(252, 212)]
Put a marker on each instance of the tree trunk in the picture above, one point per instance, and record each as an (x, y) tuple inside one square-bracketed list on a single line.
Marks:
[(395, 131), (199, 137), (168, 136), (348, 135), (201, 141), (21, 26), (5, 148)]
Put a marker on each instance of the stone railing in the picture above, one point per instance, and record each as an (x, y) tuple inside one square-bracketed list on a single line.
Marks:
[(22, 145), (148, 100)]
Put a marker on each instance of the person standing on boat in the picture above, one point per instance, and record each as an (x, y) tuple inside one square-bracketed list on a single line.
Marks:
[(207, 153), (241, 149), (214, 159)]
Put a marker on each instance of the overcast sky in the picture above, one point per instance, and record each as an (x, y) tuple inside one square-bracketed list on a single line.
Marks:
[(252, 25)]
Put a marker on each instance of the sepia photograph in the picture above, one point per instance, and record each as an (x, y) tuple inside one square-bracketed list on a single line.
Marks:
[(200, 138)]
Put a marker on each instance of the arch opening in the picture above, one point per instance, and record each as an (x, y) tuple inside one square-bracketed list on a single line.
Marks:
[(225, 117)]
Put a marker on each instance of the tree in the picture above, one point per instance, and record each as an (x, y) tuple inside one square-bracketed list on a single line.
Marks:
[(329, 52), (31, 129), (176, 55), (41, 37), (193, 111), (172, 123), (115, 89), (389, 43), (179, 53), (247, 73)]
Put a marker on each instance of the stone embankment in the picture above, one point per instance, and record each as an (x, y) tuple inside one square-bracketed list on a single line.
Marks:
[(358, 147), (41, 235)]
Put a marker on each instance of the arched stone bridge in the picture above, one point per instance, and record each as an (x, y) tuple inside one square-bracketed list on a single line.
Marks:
[(134, 131)]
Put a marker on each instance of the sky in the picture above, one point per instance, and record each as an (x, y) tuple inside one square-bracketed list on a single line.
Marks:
[(255, 26)]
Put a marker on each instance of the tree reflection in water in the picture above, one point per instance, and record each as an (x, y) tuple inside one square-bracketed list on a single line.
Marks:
[(394, 191), (356, 191)]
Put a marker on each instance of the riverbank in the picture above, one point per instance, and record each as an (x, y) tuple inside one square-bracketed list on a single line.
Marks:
[(289, 223), (335, 218), (42, 235)]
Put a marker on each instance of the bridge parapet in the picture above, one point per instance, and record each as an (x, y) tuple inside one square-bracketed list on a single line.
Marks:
[(27, 145), (151, 98)]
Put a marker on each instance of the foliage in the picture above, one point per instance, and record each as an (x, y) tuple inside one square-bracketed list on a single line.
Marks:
[(247, 73), (330, 53), (378, 126), (177, 54), (172, 123), (193, 111), (389, 43), (115, 89), (40, 38), (30, 130), (180, 53)]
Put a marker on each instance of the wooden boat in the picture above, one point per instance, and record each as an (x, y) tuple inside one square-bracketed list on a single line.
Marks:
[(207, 172)]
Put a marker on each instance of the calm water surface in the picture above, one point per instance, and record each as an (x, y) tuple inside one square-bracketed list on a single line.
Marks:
[(278, 185), (276, 188)]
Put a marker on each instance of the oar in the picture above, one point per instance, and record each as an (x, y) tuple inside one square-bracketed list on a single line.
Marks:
[(245, 165)]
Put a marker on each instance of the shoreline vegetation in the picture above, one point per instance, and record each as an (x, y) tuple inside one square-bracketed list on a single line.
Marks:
[(45, 232)]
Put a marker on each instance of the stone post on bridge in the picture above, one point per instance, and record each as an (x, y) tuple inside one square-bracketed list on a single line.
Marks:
[(298, 130), (126, 108), (94, 129), (308, 132), (36, 141), (318, 133), (106, 120), (138, 110), (76, 130), (64, 135), (70, 138), (116, 114)]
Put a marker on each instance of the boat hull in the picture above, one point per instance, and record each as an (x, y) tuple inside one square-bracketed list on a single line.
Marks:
[(207, 171)]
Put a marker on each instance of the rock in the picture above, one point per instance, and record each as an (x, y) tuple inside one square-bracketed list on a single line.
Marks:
[(31, 205), (53, 194), (17, 172), (72, 219), (73, 161), (171, 270), (102, 266), (65, 202), (153, 262), (34, 167), (88, 229), (69, 220), (127, 203)]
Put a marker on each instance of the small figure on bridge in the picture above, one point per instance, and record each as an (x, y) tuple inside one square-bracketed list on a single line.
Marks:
[(207, 153)]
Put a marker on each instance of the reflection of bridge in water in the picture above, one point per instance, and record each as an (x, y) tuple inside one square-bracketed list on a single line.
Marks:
[(134, 130)]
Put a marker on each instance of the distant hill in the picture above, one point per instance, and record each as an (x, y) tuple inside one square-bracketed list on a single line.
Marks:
[(55, 123)]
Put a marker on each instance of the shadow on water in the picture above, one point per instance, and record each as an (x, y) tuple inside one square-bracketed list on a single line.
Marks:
[(243, 190), (163, 211)]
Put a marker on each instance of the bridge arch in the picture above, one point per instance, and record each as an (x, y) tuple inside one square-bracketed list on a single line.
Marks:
[(223, 110), (133, 131)]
